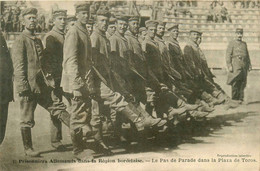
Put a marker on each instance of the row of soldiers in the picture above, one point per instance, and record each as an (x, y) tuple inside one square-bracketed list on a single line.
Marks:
[(112, 77)]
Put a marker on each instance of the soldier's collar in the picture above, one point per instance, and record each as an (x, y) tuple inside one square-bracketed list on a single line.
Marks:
[(129, 33), (81, 28), (156, 38), (100, 32), (57, 30), (191, 42), (29, 34), (120, 36)]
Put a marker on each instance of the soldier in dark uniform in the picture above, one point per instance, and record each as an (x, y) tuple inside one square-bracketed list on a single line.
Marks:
[(77, 79), (90, 26), (111, 27), (53, 42), (238, 64), (120, 56), (6, 84), (33, 82), (177, 62), (192, 59)]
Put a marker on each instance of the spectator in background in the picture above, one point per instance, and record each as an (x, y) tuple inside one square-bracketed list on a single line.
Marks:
[(71, 19), (211, 17), (222, 13)]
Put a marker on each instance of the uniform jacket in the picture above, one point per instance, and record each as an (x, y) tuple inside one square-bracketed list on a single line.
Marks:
[(77, 60), (29, 63), (120, 54), (101, 50), (192, 58), (153, 58), (237, 57), (6, 72), (165, 55), (176, 56), (53, 43)]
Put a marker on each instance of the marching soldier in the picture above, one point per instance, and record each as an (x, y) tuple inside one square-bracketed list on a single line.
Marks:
[(192, 59), (142, 34), (6, 84), (120, 56), (33, 82), (177, 62), (54, 54), (111, 27), (238, 64), (90, 26), (77, 79)]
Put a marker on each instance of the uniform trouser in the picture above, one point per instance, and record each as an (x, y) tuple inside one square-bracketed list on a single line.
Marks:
[(163, 101), (3, 120), (49, 100), (80, 112), (238, 87), (108, 98)]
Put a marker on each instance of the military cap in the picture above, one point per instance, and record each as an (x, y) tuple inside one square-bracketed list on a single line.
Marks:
[(59, 12), (71, 18), (239, 30), (27, 11), (175, 26), (103, 10), (195, 31), (90, 21), (161, 23), (112, 20), (122, 17), (133, 18), (82, 6), (151, 23), (142, 29)]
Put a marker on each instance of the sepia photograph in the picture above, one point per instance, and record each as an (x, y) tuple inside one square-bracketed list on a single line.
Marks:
[(138, 85)]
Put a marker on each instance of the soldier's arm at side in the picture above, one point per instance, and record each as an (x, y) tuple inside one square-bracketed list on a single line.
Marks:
[(229, 54), (248, 59), (48, 53), (187, 55), (71, 60), (19, 64)]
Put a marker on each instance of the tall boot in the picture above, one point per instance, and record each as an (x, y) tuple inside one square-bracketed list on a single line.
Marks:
[(210, 99), (27, 142), (77, 142), (102, 147), (198, 115), (205, 107), (186, 106), (141, 118)]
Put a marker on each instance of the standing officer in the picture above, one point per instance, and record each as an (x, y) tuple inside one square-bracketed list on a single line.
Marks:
[(6, 84), (77, 79), (32, 79), (238, 64), (53, 42)]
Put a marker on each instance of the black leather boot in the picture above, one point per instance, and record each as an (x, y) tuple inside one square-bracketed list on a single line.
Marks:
[(101, 146), (27, 142), (77, 142)]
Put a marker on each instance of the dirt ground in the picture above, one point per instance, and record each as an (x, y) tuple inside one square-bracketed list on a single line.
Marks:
[(228, 140)]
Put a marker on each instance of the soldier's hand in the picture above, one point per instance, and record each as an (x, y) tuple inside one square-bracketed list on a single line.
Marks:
[(230, 69), (77, 95), (250, 68), (25, 95)]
